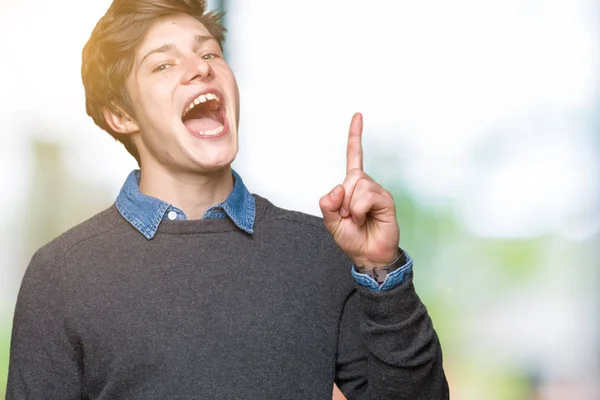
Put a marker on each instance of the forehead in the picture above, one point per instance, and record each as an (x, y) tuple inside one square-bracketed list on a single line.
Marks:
[(178, 28)]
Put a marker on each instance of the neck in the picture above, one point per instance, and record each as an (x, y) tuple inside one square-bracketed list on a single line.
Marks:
[(192, 192)]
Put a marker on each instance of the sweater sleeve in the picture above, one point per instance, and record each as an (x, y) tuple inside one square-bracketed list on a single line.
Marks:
[(44, 355), (387, 347)]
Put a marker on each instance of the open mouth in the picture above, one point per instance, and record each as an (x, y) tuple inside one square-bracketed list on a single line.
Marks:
[(205, 115)]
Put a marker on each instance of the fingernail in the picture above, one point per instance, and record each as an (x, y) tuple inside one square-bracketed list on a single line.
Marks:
[(343, 212), (335, 194)]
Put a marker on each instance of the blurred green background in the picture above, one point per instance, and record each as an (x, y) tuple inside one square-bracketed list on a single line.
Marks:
[(481, 117)]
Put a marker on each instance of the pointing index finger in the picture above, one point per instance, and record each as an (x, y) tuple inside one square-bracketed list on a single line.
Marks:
[(354, 154)]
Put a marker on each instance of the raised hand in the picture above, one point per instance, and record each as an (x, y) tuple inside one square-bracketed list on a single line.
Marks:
[(359, 213)]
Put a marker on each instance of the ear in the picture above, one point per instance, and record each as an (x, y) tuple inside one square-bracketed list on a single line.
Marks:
[(120, 121)]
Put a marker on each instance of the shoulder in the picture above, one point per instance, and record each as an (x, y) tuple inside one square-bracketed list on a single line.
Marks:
[(304, 230), (96, 228), (272, 212)]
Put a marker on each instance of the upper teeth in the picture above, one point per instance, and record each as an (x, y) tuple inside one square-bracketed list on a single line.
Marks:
[(201, 99)]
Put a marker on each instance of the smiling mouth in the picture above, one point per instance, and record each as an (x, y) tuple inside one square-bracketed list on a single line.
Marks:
[(205, 115)]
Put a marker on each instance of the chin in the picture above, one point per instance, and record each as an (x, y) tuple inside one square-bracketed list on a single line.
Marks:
[(214, 162)]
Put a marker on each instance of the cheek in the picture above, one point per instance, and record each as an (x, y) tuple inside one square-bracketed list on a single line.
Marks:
[(228, 80), (154, 97), (234, 96)]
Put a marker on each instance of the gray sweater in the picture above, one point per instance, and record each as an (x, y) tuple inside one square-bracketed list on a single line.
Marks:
[(206, 311)]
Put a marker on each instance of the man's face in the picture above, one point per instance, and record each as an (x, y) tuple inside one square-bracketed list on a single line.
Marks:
[(185, 98)]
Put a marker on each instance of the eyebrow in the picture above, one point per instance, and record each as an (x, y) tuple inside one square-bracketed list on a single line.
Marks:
[(165, 48)]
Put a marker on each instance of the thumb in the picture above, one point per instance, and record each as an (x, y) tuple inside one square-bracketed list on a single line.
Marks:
[(330, 205)]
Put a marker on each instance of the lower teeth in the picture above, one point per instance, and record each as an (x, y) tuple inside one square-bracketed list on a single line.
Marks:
[(212, 131)]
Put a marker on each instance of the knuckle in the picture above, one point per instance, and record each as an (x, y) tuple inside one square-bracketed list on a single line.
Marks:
[(354, 173), (322, 202), (362, 183), (370, 197)]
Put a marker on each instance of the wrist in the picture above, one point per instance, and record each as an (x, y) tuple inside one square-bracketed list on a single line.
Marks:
[(385, 263), (380, 273)]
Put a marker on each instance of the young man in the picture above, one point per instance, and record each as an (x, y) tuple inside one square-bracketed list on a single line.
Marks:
[(191, 287)]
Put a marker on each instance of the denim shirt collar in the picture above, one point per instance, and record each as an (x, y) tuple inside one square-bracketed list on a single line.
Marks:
[(145, 213)]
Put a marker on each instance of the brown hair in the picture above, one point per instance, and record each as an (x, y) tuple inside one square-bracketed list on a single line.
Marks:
[(108, 56)]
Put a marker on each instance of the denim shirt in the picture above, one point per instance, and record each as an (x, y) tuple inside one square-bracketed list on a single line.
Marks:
[(145, 213)]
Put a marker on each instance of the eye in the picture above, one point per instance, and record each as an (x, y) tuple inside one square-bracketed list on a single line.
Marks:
[(161, 67), (210, 56)]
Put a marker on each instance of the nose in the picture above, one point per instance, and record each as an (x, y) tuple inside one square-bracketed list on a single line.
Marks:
[(198, 69)]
